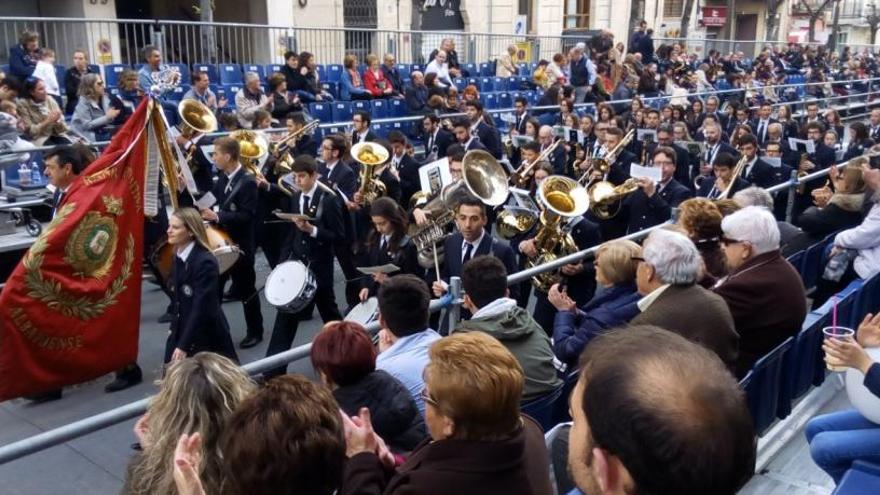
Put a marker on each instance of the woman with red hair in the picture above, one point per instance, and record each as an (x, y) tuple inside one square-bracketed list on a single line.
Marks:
[(344, 357)]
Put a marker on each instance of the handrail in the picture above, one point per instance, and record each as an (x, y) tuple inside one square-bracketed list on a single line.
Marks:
[(56, 436)]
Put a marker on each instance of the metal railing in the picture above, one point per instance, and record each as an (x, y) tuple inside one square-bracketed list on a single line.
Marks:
[(451, 301)]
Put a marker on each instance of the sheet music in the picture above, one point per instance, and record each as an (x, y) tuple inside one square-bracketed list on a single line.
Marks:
[(386, 268), (806, 143), (637, 171), (206, 201)]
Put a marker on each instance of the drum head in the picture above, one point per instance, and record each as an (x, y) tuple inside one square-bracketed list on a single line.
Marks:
[(226, 257), (286, 282), (365, 312)]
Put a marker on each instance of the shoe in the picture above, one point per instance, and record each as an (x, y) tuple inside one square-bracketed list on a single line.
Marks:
[(166, 318), (128, 377), (249, 342), (45, 397)]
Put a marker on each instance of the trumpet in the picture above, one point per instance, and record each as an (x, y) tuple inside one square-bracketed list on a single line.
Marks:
[(520, 176), (603, 164)]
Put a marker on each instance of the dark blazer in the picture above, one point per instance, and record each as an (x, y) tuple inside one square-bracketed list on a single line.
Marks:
[(197, 321), (316, 251), (370, 137), (21, 63), (408, 170), (517, 465), (723, 147), (521, 128), (709, 184), (857, 149), (393, 75), (451, 265), (476, 144), (697, 314), (824, 157), (490, 138), (643, 212), (416, 98), (842, 212), (306, 145), (72, 78), (342, 177), (762, 137), (238, 208), (619, 171), (406, 258), (443, 140), (761, 174), (572, 331), (767, 300)]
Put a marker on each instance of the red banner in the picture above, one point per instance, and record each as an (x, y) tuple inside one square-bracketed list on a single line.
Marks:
[(714, 16), (71, 309)]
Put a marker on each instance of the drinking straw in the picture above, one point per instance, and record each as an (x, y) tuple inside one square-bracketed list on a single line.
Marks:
[(834, 313)]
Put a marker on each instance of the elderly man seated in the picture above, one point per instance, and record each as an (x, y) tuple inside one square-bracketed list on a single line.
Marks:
[(763, 291), (666, 278)]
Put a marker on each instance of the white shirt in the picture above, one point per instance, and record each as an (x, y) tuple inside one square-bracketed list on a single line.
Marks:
[(183, 254), (302, 206), (362, 136), (646, 301), (46, 72), (749, 166), (475, 244), (442, 71)]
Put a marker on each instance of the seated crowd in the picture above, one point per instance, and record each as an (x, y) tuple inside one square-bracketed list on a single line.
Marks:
[(651, 333)]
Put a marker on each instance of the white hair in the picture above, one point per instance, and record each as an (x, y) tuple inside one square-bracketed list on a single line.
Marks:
[(754, 196), (755, 225), (250, 76), (674, 257)]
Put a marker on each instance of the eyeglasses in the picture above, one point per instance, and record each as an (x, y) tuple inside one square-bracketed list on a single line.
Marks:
[(427, 398), (727, 240)]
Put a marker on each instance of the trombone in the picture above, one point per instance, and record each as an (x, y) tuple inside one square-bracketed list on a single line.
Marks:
[(603, 164), (283, 146), (520, 176)]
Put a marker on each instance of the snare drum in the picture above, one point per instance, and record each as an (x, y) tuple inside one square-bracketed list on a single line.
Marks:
[(364, 313), (291, 286), (222, 247)]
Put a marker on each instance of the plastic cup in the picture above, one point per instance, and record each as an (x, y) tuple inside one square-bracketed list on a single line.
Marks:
[(837, 333)]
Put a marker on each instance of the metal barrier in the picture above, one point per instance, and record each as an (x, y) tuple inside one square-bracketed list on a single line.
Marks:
[(452, 301)]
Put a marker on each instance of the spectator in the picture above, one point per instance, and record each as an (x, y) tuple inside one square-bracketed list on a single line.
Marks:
[(9, 89), (129, 89), (306, 82), (581, 77), (440, 67), (763, 291), (839, 438), (345, 360), (448, 47), (23, 57), (574, 328), (350, 85), (283, 102), (637, 402), (10, 134), (666, 278), (375, 81), (196, 397), (154, 66), (837, 209), (392, 73), (540, 76), (45, 70), (859, 142), (290, 69), (480, 441), (228, 122), (250, 99), (504, 63), (262, 119), (97, 112), (435, 89), (417, 94), (405, 336), (791, 238), (701, 220), (554, 70), (201, 92), (42, 115), (484, 280)]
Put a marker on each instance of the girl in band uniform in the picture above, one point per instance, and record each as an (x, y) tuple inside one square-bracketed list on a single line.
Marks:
[(388, 243)]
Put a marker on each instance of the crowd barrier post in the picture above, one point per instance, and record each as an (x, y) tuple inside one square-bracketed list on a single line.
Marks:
[(454, 311), (792, 191)]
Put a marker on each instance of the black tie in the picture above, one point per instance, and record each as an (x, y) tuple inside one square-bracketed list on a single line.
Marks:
[(60, 197), (468, 251), (306, 202)]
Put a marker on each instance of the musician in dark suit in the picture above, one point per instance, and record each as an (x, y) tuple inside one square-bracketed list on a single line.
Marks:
[(387, 243), (520, 114), (757, 171), (712, 106), (406, 167), (724, 173), (822, 158), (666, 137), (339, 176), (557, 157), (463, 136), (198, 323), (199, 163), (812, 117), (488, 135), (761, 125), (437, 139), (361, 133), (236, 193), (619, 168), (470, 241), (652, 204), (306, 144), (309, 241)]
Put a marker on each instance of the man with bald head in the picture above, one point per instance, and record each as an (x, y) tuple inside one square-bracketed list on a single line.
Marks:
[(557, 157), (417, 94), (655, 413)]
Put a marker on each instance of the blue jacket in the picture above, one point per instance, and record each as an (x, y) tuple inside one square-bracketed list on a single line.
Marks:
[(21, 65), (573, 331), (346, 87)]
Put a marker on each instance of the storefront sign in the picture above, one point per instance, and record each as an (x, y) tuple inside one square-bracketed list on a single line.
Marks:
[(714, 16)]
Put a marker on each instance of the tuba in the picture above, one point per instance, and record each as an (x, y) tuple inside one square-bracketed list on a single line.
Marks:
[(563, 199), (370, 156), (483, 177), (253, 146)]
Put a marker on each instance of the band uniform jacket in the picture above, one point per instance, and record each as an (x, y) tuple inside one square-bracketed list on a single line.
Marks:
[(761, 174), (317, 252), (405, 258), (342, 177), (408, 170), (306, 145), (490, 139), (238, 208), (441, 142), (708, 190), (643, 212), (197, 321), (696, 314), (451, 266), (369, 137), (682, 162)]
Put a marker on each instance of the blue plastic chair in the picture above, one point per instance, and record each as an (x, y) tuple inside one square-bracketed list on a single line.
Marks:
[(379, 130), (360, 105), (185, 77), (379, 109), (499, 84), (331, 87), (259, 69), (460, 84), (543, 409), (862, 478), (797, 261), (209, 69), (471, 68), (505, 100), (59, 75), (490, 100), (272, 68), (341, 111), (486, 70), (762, 387), (802, 363), (813, 266), (485, 85), (404, 73), (867, 299), (397, 108), (230, 74), (111, 74), (321, 111), (525, 70), (333, 72)]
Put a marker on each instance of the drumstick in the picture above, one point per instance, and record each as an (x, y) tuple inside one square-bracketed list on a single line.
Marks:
[(436, 262)]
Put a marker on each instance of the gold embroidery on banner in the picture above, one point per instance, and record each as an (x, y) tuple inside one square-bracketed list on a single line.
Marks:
[(91, 247), (52, 294), (133, 189), (97, 177), (24, 325)]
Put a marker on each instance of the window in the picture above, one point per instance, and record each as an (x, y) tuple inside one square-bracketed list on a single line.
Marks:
[(673, 8), (577, 14)]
